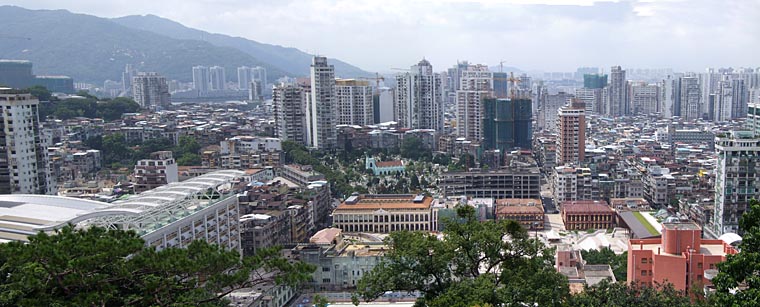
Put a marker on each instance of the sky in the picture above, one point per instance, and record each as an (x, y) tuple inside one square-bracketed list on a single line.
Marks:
[(534, 35)]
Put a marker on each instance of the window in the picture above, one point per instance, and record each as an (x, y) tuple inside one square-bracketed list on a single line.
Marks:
[(643, 260), (325, 269), (643, 273), (699, 265)]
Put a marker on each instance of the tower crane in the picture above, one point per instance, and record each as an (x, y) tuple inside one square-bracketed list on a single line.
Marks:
[(513, 88), (377, 79)]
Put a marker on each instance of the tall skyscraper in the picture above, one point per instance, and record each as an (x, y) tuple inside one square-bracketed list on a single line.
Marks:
[(644, 98), (501, 85), (736, 182), (591, 98), (617, 104), (126, 79), (323, 106), (354, 102), (150, 90), (571, 141), (244, 77), (24, 167), (218, 78), (476, 84), (507, 123), (419, 98), (687, 97), (201, 79), (259, 73), (547, 114), (289, 102)]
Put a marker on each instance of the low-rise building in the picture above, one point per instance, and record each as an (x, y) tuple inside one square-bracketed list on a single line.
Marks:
[(527, 212), (384, 167), (384, 213), (157, 171), (587, 214), (680, 257), (516, 180)]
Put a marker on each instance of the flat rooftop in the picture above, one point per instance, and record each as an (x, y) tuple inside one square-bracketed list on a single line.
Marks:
[(386, 201), (684, 226)]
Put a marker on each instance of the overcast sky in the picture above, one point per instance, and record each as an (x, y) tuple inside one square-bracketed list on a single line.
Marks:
[(549, 35)]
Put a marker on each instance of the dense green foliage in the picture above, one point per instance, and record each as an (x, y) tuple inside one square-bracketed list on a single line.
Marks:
[(620, 295), (618, 263), (340, 181), (117, 152), (90, 107), (473, 265), (99, 267), (740, 271), (41, 92)]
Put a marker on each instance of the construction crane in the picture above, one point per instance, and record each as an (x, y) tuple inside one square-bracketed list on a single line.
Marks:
[(403, 69), (513, 88), (501, 66), (377, 79), (15, 37)]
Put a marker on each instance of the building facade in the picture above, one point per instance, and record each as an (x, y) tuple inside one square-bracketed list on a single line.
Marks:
[(157, 171), (571, 141), (736, 182), (587, 214), (354, 102), (680, 257), (419, 98), (24, 165), (507, 124), (384, 213), (217, 78), (201, 80), (150, 90), (528, 212), (290, 112), (322, 111), (475, 84)]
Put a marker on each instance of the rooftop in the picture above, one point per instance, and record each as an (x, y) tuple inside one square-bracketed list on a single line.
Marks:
[(385, 201), (585, 206)]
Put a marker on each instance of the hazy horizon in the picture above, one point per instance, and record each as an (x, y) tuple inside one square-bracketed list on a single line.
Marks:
[(548, 35)]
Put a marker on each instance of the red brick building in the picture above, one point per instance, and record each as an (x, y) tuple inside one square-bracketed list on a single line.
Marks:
[(680, 257), (587, 214)]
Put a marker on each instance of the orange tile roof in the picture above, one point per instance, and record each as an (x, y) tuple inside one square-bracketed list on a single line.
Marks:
[(389, 163)]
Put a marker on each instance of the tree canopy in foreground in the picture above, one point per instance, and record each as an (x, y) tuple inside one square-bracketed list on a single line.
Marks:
[(493, 262), (99, 267)]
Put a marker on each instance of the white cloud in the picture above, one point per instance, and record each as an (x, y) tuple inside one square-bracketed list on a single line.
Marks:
[(531, 34)]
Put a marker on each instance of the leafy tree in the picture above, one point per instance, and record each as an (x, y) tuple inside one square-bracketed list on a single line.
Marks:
[(621, 295), (113, 109), (411, 148), (41, 92), (493, 262), (740, 271), (618, 263), (99, 267), (115, 149)]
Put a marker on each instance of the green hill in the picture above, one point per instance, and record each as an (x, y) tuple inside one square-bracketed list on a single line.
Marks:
[(290, 60)]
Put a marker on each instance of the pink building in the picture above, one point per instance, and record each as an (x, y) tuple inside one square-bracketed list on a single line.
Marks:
[(680, 257)]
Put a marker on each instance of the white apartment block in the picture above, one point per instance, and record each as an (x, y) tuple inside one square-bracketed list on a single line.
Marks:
[(218, 78), (736, 181), (289, 101), (644, 98), (354, 102), (476, 83), (419, 98), (24, 167), (150, 90), (322, 110)]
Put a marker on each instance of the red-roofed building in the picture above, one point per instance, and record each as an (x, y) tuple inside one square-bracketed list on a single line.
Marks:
[(587, 214)]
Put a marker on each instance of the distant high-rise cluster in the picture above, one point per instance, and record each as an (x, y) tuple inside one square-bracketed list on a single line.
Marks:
[(252, 79)]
